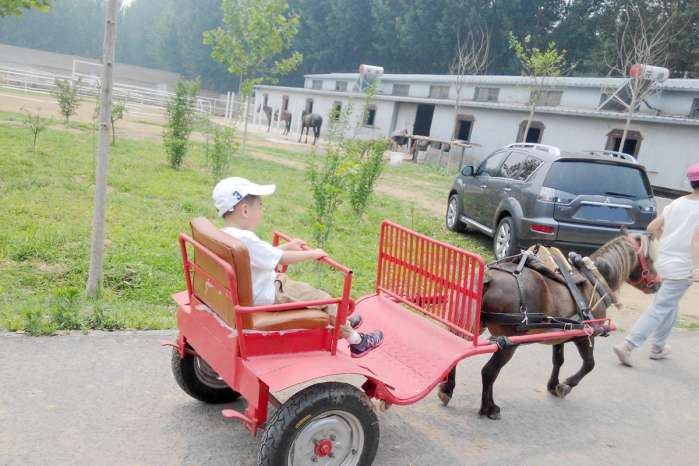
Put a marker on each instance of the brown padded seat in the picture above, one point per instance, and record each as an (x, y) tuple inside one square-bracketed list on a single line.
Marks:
[(235, 253)]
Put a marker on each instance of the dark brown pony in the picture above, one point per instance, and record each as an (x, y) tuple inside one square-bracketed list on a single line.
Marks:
[(308, 121), (286, 118), (268, 113), (626, 258)]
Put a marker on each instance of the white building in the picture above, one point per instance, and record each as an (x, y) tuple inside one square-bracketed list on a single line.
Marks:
[(664, 133)]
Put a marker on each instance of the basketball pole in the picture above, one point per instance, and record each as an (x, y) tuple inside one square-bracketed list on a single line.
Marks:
[(96, 271)]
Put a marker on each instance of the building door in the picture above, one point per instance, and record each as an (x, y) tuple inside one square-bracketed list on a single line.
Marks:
[(423, 119)]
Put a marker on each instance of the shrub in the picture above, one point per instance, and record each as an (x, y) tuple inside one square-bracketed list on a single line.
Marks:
[(222, 151), (67, 95), (369, 162), (180, 113)]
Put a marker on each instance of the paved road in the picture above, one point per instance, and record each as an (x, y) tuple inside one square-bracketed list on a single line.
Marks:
[(109, 398)]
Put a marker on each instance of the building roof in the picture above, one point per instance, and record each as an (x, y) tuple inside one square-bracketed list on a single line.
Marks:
[(511, 106), (594, 82)]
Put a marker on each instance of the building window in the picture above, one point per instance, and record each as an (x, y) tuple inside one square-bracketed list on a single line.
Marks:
[(694, 113), (486, 94), (336, 110), (285, 103), (549, 98), (370, 115), (535, 133), (631, 146), (401, 89), (317, 84), (341, 86), (463, 127), (309, 105), (439, 92)]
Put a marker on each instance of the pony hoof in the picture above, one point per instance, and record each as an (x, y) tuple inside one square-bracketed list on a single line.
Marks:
[(445, 398), (492, 413), (562, 390)]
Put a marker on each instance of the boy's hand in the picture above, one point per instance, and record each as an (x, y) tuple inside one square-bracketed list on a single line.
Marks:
[(695, 276), (319, 253), (295, 244)]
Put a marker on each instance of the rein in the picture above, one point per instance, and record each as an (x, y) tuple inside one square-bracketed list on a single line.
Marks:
[(648, 280)]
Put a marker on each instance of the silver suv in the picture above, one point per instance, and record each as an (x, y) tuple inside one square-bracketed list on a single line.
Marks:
[(527, 193)]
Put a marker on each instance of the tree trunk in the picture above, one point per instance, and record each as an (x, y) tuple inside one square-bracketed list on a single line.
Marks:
[(529, 123), (36, 135), (245, 126), (113, 134), (94, 280), (625, 133)]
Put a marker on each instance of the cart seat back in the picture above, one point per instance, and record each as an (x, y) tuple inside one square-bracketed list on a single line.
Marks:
[(234, 252)]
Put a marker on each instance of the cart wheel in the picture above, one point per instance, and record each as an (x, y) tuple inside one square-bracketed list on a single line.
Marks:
[(326, 424), (199, 380)]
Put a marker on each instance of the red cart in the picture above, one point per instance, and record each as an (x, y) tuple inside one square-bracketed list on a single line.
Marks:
[(427, 302)]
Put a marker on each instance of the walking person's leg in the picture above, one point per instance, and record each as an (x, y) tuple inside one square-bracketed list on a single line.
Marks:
[(664, 304), (662, 332)]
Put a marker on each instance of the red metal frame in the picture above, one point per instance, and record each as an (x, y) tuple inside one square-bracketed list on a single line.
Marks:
[(435, 278), (440, 281)]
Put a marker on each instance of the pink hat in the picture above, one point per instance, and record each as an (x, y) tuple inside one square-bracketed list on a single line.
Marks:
[(693, 172)]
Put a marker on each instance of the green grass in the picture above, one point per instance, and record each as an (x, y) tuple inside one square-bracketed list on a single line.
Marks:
[(46, 213)]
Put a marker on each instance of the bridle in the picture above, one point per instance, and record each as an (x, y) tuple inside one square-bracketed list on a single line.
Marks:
[(648, 281)]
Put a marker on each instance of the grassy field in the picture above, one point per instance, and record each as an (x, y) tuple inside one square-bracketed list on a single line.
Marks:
[(46, 213)]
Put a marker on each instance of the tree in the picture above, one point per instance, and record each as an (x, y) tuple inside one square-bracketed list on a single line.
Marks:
[(636, 44), (252, 43), (67, 96), (470, 58), (538, 65), (36, 124), (96, 270), (180, 115), (15, 7), (118, 110)]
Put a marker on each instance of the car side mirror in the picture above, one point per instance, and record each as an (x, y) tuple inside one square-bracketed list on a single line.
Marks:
[(467, 170)]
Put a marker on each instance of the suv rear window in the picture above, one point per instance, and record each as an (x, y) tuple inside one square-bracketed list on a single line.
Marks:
[(601, 179)]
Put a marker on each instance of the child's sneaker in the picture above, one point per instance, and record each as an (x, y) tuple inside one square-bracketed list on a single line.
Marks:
[(660, 353), (355, 320), (623, 352), (369, 342)]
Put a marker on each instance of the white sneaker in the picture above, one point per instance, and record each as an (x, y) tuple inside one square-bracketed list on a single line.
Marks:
[(660, 353), (623, 352)]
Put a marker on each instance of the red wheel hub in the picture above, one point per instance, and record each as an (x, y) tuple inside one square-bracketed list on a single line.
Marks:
[(323, 448)]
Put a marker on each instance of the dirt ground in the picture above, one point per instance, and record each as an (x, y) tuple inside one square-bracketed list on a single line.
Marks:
[(146, 123)]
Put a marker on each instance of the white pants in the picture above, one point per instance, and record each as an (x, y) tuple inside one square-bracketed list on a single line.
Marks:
[(661, 316)]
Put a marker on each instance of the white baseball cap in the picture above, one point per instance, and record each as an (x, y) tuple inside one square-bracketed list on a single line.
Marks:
[(229, 191)]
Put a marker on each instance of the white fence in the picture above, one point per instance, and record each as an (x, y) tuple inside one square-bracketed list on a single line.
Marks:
[(138, 100)]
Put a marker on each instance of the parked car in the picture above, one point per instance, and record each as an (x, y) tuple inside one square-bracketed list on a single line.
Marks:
[(525, 194)]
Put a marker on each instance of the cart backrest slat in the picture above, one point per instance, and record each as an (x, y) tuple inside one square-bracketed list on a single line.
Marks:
[(232, 251), (435, 278)]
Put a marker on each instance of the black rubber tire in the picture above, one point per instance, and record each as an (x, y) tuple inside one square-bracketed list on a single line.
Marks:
[(186, 377), (514, 241), (284, 426), (458, 226)]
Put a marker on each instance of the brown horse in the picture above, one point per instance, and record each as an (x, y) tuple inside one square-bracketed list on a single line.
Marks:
[(626, 258), (286, 118)]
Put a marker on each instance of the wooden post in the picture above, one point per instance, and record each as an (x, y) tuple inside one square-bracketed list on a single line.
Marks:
[(96, 271)]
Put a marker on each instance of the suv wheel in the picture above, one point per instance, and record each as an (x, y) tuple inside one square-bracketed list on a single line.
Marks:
[(505, 239), (453, 220)]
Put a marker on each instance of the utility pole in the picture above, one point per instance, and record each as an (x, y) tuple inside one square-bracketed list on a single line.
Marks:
[(94, 280)]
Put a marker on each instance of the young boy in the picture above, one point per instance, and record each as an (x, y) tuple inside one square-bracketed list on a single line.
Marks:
[(677, 263), (239, 202)]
